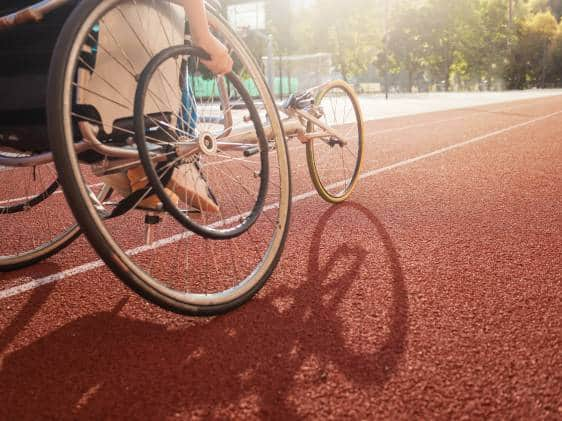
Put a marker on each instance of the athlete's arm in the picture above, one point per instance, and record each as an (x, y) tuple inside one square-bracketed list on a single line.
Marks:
[(220, 62)]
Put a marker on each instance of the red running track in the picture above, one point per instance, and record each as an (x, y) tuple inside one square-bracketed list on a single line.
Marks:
[(435, 294)]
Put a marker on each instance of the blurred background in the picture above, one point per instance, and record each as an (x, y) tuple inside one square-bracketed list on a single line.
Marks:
[(403, 46)]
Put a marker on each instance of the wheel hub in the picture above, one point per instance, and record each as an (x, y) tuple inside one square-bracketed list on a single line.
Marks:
[(208, 143)]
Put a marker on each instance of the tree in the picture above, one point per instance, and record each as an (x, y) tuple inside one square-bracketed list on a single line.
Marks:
[(530, 57), (450, 33), (553, 6), (406, 48), (554, 71), (351, 33), (465, 42)]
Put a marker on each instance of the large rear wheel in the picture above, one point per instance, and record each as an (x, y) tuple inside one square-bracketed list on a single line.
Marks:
[(102, 51)]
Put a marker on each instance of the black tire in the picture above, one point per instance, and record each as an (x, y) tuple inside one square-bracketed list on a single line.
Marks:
[(24, 251), (31, 202), (39, 254), (150, 168), (86, 14)]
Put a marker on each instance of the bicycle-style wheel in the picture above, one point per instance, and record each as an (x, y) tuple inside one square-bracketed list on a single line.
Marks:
[(334, 162), (102, 51), (34, 219), (235, 185)]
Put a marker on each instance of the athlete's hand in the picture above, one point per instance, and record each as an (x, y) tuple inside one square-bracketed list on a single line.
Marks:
[(221, 62)]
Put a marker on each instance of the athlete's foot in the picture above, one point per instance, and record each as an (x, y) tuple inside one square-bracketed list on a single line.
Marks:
[(187, 186), (192, 188), (139, 181)]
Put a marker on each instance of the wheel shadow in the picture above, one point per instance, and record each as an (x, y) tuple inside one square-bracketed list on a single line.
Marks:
[(260, 357), (24, 316), (32, 306), (376, 368), (37, 270)]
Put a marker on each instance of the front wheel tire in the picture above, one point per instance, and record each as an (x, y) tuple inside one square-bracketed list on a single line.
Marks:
[(335, 167)]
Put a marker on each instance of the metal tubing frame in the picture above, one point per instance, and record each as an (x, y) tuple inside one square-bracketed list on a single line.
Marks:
[(34, 13), (36, 159), (236, 140), (292, 125)]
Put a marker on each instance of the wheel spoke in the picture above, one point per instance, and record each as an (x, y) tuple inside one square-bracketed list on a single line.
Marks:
[(234, 238)]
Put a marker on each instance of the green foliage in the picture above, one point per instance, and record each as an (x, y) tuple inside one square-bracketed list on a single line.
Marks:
[(461, 44), (532, 57), (451, 37), (554, 68), (349, 33), (472, 43), (488, 58), (405, 49)]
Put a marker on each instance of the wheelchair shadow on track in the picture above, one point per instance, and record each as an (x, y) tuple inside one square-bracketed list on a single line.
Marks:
[(289, 339), (37, 270), (32, 306)]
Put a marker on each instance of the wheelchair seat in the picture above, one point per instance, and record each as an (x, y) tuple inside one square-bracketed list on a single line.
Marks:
[(26, 51), (25, 54)]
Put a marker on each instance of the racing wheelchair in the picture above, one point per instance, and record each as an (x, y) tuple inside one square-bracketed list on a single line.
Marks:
[(159, 160)]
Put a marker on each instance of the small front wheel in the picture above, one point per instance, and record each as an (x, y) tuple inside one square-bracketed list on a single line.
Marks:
[(335, 161)]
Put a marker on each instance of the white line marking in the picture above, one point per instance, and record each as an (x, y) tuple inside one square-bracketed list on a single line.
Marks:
[(394, 129), (368, 134), (455, 146), (35, 283), (449, 120)]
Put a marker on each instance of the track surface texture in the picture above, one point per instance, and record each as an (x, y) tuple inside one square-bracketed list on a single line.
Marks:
[(435, 293)]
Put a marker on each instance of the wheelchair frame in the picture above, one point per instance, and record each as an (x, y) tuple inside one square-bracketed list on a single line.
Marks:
[(302, 121), (298, 117)]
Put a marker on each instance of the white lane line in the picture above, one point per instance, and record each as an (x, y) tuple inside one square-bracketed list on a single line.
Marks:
[(446, 149), (7, 202), (449, 120), (369, 134), (393, 129), (35, 283), (290, 148)]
